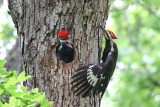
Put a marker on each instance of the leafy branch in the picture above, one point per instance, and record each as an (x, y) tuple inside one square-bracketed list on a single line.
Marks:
[(12, 93)]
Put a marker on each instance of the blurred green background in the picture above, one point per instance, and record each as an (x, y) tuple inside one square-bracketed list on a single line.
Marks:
[(136, 81)]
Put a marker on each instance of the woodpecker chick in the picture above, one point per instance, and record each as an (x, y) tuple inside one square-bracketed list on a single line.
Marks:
[(93, 79), (65, 50)]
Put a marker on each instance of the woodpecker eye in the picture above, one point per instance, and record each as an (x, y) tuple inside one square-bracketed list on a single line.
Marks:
[(111, 35)]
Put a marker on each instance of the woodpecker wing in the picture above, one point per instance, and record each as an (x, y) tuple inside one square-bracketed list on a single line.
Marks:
[(109, 67), (93, 79), (86, 78)]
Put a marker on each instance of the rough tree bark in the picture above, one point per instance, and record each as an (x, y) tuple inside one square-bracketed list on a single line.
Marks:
[(38, 23)]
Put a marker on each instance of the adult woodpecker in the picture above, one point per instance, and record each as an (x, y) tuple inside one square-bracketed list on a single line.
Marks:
[(65, 50), (93, 79)]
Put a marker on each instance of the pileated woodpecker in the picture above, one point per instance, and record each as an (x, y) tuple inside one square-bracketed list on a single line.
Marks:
[(93, 79), (64, 51)]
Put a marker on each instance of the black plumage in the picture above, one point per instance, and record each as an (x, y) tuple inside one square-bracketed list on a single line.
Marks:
[(94, 78), (65, 52)]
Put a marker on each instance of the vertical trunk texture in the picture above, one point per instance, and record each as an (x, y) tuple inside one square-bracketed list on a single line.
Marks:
[(38, 23)]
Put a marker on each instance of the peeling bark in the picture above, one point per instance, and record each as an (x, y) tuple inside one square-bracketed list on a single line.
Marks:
[(38, 23)]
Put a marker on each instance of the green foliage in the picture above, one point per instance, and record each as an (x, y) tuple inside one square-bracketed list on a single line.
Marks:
[(7, 33), (18, 96)]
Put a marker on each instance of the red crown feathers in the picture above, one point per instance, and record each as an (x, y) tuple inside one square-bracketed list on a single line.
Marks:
[(63, 34), (112, 34)]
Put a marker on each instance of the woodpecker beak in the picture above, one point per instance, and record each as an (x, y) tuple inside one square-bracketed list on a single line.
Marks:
[(104, 33), (69, 43)]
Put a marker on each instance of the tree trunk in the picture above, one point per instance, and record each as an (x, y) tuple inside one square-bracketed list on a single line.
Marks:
[(38, 23)]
